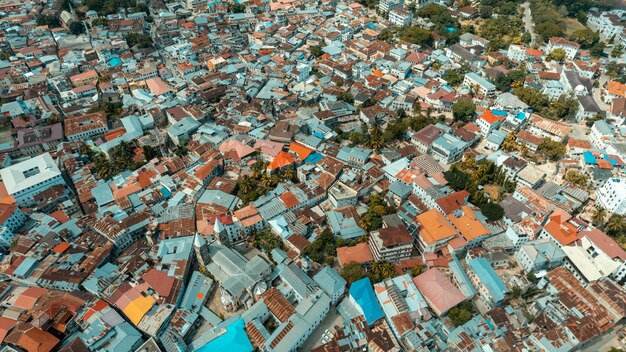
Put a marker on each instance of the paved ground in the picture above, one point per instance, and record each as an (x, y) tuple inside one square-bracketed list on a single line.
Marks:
[(597, 93), (528, 23), (579, 131), (332, 319)]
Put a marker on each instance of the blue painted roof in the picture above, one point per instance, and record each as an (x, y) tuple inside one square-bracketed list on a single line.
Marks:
[(498, 112), (166, 193), (589, 158), (363, 293), (610, 159), (313, 158), (115, 61), (489, 278), (520, 116), (233, 340)]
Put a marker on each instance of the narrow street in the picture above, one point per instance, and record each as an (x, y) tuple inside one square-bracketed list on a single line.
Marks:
[(528, 23)]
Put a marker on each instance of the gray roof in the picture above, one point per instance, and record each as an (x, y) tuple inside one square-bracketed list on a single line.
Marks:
[(330, 281)]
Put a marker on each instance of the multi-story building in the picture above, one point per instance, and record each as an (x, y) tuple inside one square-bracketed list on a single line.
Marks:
[(11, 219), (386, 6), (490, 287), (26, 179), (570, 48), (85, 126), (391, 244), (400, 17), (607, 24), (612, 196), (546, 128), (485, 87)]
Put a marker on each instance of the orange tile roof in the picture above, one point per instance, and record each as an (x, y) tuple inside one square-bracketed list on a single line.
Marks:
[(6, 324), (562, 231), (490, 117), (60, 216), (616, 88), (37, 340), (358, 254), (281, 160), (111, 135), (61, 247), (289, 199), (434, 227), (302, 151), (468, 224)]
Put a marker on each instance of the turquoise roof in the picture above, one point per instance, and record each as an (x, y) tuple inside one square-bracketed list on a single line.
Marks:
[(233, 340), (363, 293), (489, 278), (115, 61)]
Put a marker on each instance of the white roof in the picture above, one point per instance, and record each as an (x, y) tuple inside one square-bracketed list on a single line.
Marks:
[(29, 173), (592, 268)]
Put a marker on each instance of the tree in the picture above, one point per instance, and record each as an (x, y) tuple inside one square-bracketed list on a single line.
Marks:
[(76, 28), (316, 50), (347, 97), (453, 77), (376, 141), (585, 37), (576, 178), (617, 51), (457, 179), (417, 269), (352, 272), (377, 208), (140, 40), (461, 314), (598, 215), (417, 35), (267, 241), (48, 20), (502, 82), (531, 277), (486, 11), (181, 149), (597, 50), (324, 246), (150, 152), (616, 225), (386, 35), (557, 55), (463, 110), (549, 29), (551, 149), (100, 21), (382, 270), (492, 211)]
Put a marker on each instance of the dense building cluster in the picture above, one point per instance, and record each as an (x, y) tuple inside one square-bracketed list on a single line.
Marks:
[(305, 175)]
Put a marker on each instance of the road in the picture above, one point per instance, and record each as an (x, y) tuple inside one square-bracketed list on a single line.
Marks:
[(528, 23), (597, 93), (332, 319)]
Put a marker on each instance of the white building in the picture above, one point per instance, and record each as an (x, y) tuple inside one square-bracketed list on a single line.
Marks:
[(485, 87), (400, 17), (612, 196), (11, 219), (25, 180), (607, 24), (570, 48)]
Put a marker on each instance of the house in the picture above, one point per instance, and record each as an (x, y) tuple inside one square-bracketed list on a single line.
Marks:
[(612, 196), (341, 195), (587, 108), (391, 243), (182, 130), (570, 48), (538, 255), (546, 128), (531, 176), (359, 253), (434, 231), (490, 287), (480, 84), (438, 291), (490, 121), (85, 126), (331, 282), (11, 219), (400, 17), (24, 180), (447, 148), (424, 138), (600, 135), (361, 295)]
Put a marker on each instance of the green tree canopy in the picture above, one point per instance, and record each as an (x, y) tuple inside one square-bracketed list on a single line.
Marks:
[(585, 37), (492, 211), (551, 149), (463, 110)]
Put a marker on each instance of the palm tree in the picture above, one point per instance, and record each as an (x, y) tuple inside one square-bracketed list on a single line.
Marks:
[(245, 185), (615, 225), (598, 215), (266, 180), (289, 173)]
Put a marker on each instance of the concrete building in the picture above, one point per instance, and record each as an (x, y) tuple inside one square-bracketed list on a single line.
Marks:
[(26, 179)]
